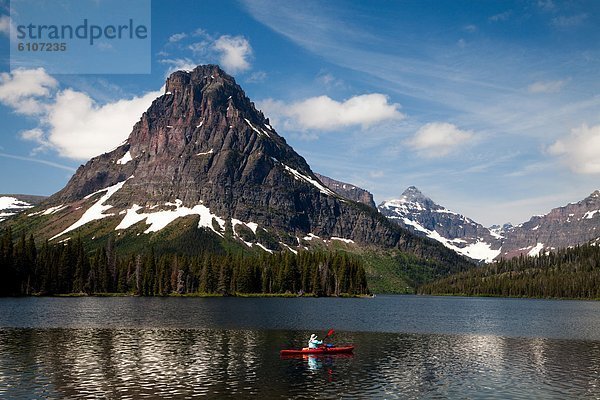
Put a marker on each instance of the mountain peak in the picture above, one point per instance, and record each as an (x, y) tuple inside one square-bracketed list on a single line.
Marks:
[(202, 75), (412, 189), (411, 197), (412, 192), (203, 131), (208, 87)]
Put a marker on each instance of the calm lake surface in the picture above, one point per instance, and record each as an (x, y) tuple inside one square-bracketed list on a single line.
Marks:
[(406, 347)]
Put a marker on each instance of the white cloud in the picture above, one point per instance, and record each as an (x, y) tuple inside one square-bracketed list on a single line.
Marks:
[(258, 76), (37, 160), (376, 174), (177, 37), (25, 89), (470, 28), (328, 80), (546, 87), (580, 150), (234, 52), (546, 5), (500, 17), (199, 47), (80, 129), (178, 64), (437, 139), (569, 22), (37, 136), (5, 24), (69, 121), (203, 45), (324, 113), (200, 33)]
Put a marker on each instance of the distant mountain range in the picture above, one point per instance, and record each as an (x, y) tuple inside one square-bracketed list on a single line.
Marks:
[(563, 227), (567, 226), (418, 213), (571, 225)]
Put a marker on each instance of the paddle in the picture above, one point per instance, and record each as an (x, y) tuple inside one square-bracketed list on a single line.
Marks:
[(329, 333)]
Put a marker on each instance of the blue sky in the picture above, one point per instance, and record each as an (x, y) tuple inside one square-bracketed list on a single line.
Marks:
[(490, 108)]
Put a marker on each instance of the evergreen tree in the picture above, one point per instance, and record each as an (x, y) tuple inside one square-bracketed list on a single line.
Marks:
[(67, 268)]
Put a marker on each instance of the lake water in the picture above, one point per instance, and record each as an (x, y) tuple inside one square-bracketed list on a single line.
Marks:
[(405, 347)]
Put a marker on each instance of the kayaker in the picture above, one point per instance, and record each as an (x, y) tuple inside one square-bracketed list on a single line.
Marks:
[(313, 342)]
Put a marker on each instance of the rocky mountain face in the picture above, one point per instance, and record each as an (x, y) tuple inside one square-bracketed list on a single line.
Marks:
[(570, 225), (12, 204), (203, 150), (418, 213), (348, 190)]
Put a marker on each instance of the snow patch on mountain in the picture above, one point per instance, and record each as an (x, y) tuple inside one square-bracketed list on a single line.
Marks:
[(416, 225), (250, 225), (49, 211), (96, 211), (289, 248), (12, 202), (301, 177), (496, 234), (10, 206), (310, 237), (54, 210), (264, 248), (403, 205), (535, 251), (160, 219), (479, 250), (342, 239), (260, 132), (253, 226), (125, 159)]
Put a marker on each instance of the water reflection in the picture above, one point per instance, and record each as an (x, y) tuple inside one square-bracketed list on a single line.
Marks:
[(316, 362), (180, 363)]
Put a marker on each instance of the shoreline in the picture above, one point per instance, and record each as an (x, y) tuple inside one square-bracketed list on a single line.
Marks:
[(200, 295), (506, 297)]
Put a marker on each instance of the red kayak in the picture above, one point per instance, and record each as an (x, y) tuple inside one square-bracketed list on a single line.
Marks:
[(318, 350)]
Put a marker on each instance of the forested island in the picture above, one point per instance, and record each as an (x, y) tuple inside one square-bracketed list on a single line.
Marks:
[(69, 268), (569, 273)]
